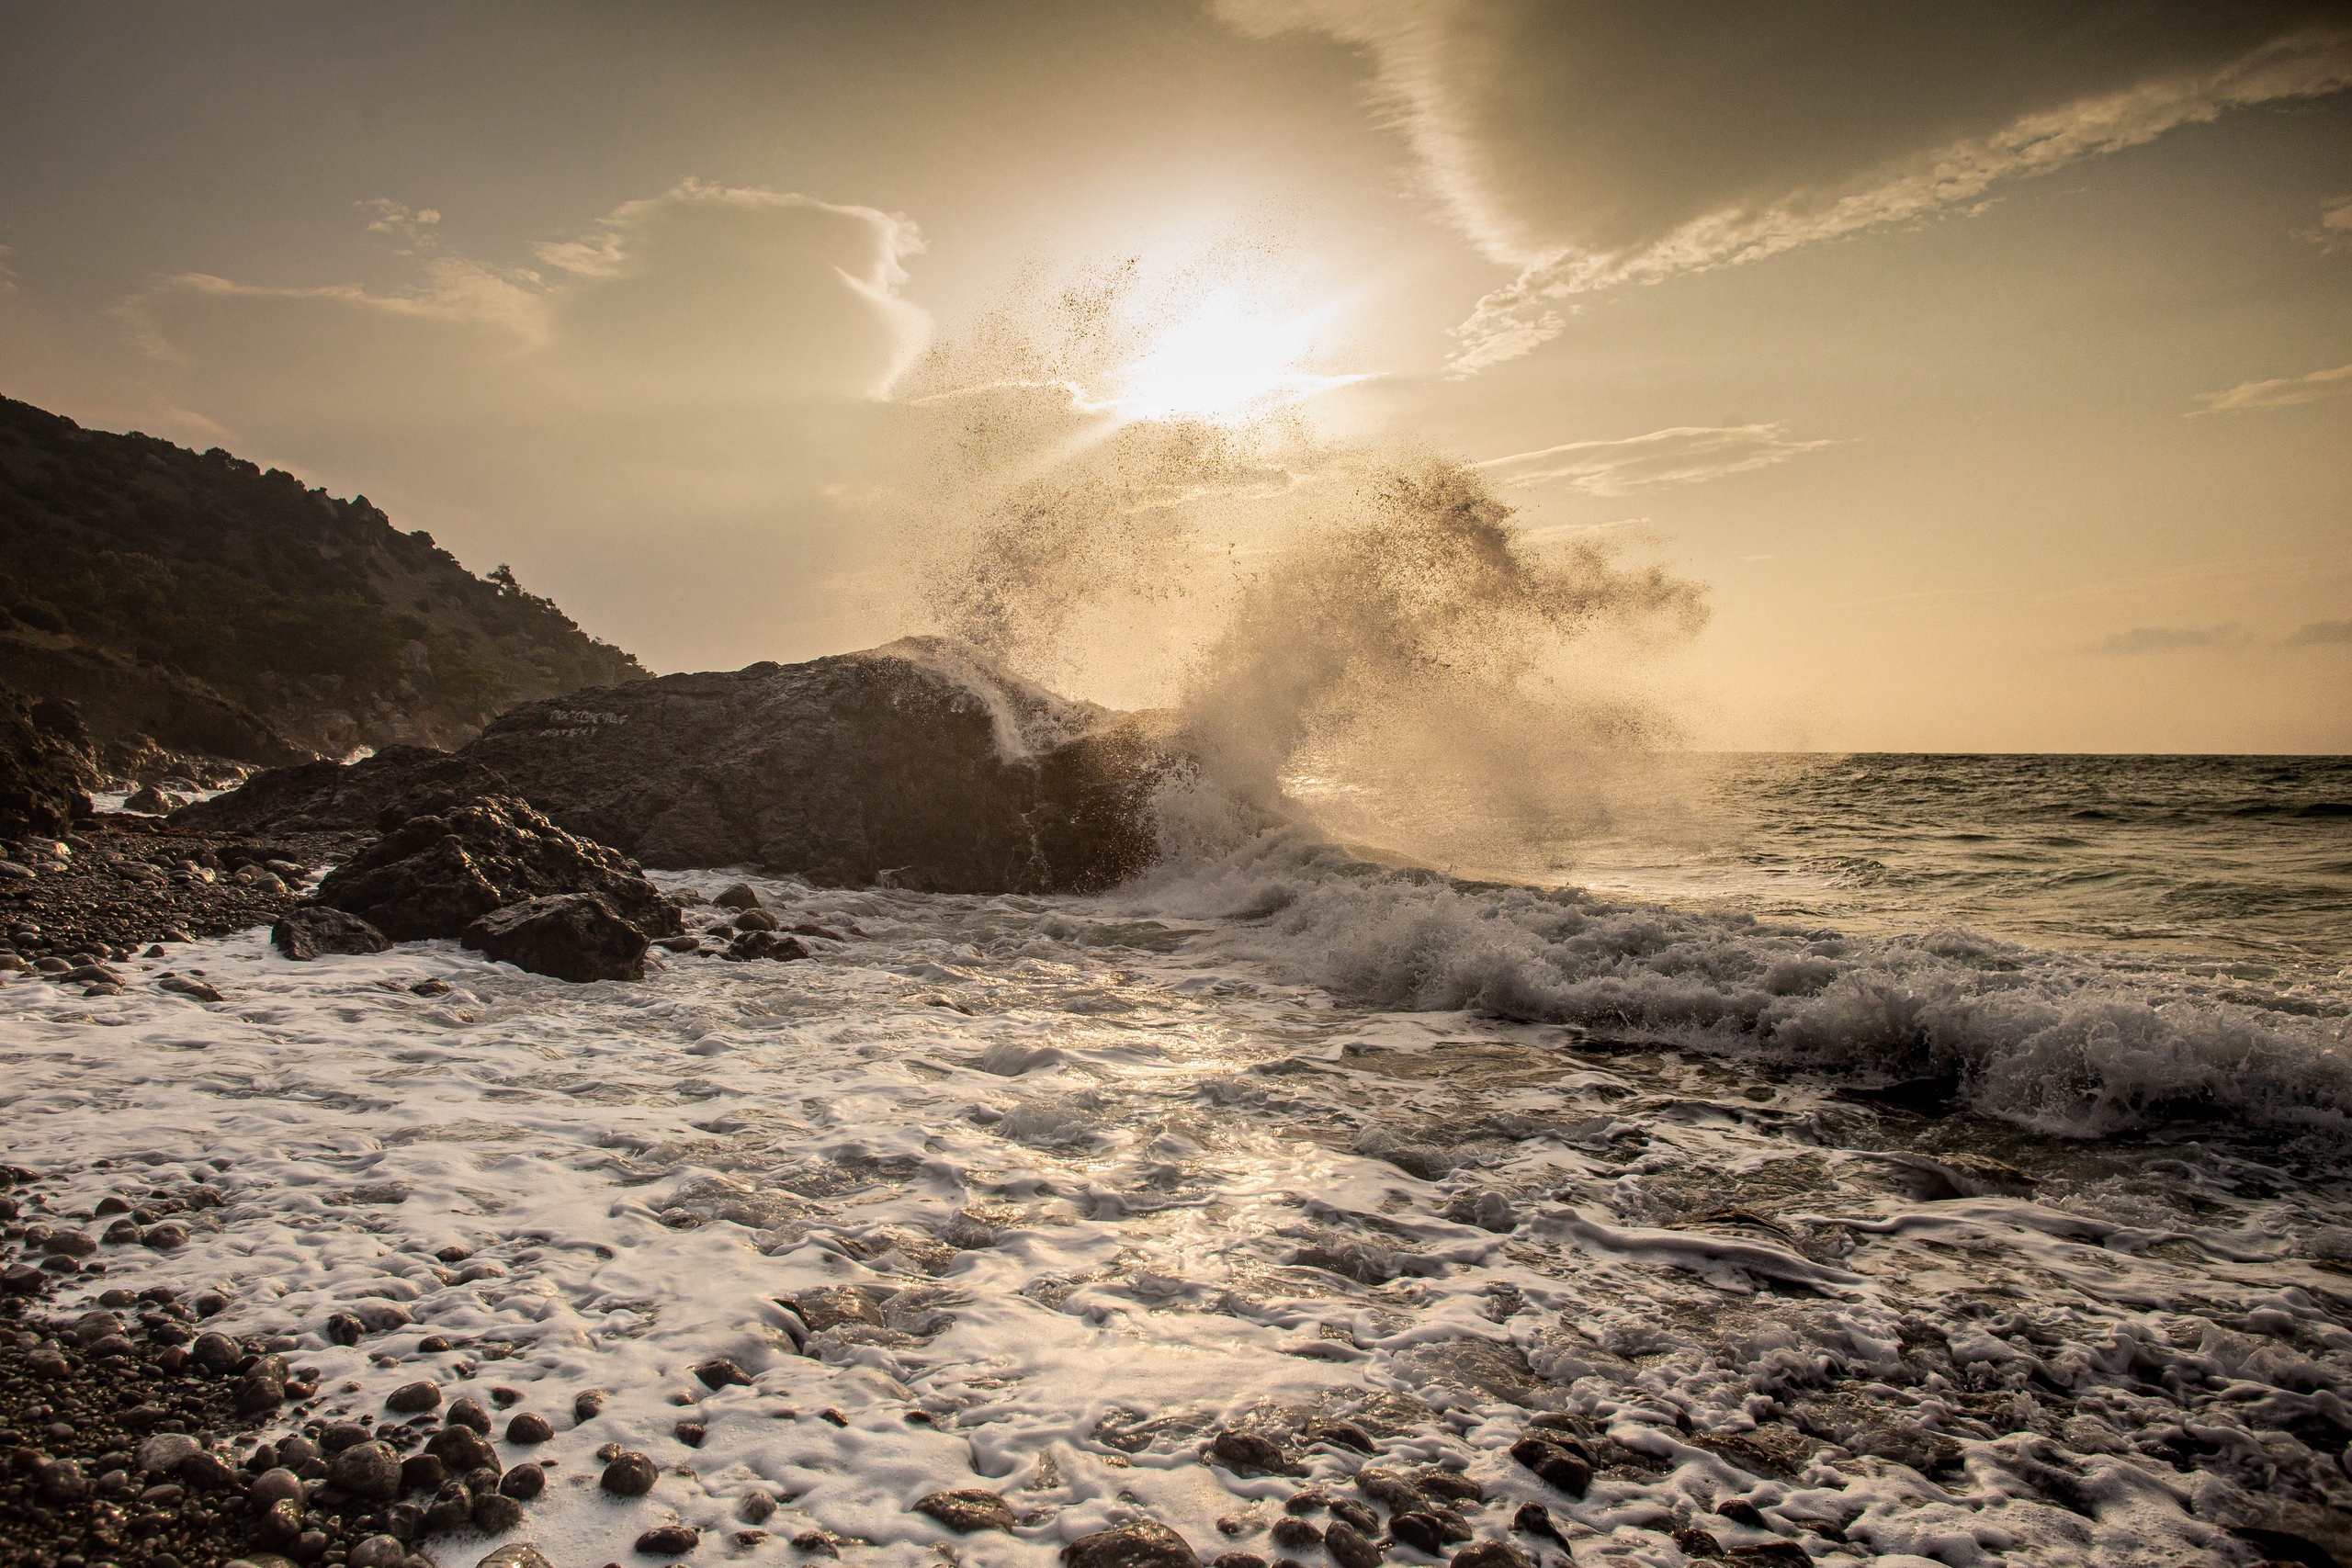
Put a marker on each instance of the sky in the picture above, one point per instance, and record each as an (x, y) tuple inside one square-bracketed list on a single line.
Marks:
[(1990, 367)]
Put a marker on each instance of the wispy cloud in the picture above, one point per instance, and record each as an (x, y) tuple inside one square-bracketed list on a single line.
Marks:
[(2335, 231), (2169, 639), (7, 278), (2283, 393), (2319, 634), (1585, 148), (1684, 455)]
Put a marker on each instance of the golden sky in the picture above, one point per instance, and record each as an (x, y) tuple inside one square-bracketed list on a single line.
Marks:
[(1990, 366)]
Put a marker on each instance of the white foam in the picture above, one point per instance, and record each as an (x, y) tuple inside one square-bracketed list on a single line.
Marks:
[(1212, 1188)]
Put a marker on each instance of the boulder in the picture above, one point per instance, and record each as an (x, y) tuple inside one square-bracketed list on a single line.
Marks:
[(919, 765), (373, 794), (433, 875), (150, 801), (48, 764), (571, 936), (309, 930)]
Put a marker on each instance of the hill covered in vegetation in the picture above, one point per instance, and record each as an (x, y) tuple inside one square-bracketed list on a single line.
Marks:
[(220, 608)]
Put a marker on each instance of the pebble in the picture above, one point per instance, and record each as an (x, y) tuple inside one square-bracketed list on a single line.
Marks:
[(369, 1469), (467, 1412), (669, 1540), (495, 1513), (1294, 1534), (968, 1509), (463, 1450), (719, 1372), (161, 1454), (529, 1426), (1553, 1464), (1349, 1547), (1250, 1453), (412, 1398), (377, 1552), (630, 1475), (521, 1554), (1491, 1554), (522, 1483), (1143, 1544)]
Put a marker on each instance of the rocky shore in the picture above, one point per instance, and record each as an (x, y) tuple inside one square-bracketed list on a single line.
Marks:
[(120, 883)]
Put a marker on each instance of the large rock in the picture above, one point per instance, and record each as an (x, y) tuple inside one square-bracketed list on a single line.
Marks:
[(373, 794), (572, 936), (435, 875), (918, 765), (47, 765), (309, 930)]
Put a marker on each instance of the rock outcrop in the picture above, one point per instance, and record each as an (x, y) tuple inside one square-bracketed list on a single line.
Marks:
[(917, 765), (373, 794), (435, 874), (572, 936), (47, 765)]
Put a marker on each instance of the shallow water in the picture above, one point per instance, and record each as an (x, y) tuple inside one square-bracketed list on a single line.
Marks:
[(2244, 862), (1288, 1135)]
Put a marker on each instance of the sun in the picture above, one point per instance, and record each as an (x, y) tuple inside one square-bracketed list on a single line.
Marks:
[(1227, 364)]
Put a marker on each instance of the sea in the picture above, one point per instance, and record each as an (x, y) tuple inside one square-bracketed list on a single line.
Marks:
[(1893, 1159)]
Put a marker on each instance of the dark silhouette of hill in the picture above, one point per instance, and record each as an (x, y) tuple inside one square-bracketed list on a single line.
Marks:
[(196, 599)]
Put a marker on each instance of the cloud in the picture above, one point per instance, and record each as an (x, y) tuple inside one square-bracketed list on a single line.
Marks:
[(2169, 639), (8, 277), (2283, 393), (2319, 634), (2335, 231), (1685, 455), (644, 416), (1589, 146), (702, 292)]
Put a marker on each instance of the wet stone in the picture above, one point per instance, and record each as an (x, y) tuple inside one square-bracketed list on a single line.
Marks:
[(1294, 1534), (968, 1509), (462, 1450), (377, 1552), (1553, 1464), (337, 1436), (1422, 1532), (1491, 1554), (669, 1540), (528, 1427), (369, 1469), (630, 1475), (521, 1554), (1143, 1544), (496, 1513), (414, 1398), (1250, 1453), (468, 1412), (1349, 1547), (522, 1483), (719, 1372)]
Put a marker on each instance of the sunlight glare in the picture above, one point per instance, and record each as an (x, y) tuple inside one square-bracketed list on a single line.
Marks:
[(1227, 364)]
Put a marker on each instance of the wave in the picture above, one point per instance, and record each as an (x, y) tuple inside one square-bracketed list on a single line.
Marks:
[(2055, 1041)]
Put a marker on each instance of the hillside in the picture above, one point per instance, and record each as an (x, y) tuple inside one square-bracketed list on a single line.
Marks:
[(195, 597)]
